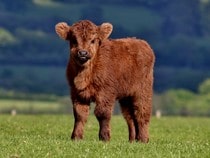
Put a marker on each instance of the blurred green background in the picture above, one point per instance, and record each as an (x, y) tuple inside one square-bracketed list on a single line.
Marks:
[(33, 58)]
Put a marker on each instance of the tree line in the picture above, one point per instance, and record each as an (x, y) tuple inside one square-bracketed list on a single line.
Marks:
[(179, 32)]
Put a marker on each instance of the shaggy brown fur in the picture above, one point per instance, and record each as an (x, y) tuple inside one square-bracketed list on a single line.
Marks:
[(103, 70)]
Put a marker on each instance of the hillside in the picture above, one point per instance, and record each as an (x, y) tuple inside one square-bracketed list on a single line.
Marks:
[(33, 58)]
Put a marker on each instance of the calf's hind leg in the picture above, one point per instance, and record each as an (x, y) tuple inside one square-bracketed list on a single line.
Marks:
[(128, 114), (142, 105)]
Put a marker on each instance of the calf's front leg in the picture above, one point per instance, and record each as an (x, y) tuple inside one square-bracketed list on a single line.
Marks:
[(81, 112), (103, 114)]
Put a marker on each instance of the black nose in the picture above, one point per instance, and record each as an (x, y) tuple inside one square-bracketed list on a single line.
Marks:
[(82, 53)]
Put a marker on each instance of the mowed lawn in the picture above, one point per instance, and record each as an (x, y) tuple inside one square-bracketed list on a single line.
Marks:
[(24, 136)]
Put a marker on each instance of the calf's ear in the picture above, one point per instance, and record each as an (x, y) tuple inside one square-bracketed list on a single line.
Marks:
[(105, 30), (62, 29)]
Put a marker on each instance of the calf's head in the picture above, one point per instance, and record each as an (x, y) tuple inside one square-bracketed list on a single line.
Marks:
[(85, 38)]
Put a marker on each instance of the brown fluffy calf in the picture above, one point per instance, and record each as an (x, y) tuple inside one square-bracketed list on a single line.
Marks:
[(103, 71)]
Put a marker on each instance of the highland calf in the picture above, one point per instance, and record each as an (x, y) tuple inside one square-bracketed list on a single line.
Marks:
[(102, 70)]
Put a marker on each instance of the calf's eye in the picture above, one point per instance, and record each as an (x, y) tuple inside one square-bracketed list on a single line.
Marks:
[(93, 41), (73, 41)]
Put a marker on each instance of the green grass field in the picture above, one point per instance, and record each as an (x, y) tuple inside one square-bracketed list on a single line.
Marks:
[(49, 136)]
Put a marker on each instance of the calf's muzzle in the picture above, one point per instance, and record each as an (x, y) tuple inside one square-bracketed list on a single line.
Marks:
[(83, 56)]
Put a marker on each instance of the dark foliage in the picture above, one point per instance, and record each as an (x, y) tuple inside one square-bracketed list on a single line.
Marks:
[(178, 31)]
